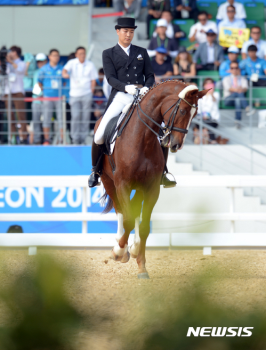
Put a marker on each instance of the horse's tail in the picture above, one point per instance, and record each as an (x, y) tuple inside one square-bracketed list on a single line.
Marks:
[(109, 204)]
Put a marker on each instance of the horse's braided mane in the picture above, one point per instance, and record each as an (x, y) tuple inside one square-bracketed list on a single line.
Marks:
[(154, 86)]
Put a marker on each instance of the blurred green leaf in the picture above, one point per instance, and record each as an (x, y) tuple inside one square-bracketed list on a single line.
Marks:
[(41, 316), (166, 323)]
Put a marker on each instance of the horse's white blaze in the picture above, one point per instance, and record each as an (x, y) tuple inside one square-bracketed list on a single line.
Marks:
[(134, 249), (192, 111), (182, 94)]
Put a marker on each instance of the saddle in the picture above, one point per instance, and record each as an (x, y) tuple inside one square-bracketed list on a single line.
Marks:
[(109, 133), (114, 129)]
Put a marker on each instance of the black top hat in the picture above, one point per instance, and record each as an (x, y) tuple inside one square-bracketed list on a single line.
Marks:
[(125, 22)]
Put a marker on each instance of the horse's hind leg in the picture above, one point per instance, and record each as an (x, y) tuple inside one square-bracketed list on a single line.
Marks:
[(117, 253), (150, 199)]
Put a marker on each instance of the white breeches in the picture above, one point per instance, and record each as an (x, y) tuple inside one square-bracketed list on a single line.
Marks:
[(120, 100)]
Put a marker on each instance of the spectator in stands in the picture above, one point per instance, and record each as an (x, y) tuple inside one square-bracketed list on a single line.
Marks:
[(16, 69), (118, 5), (186, 9), (173, 31), (28, 82), (239, 9), (98, 105), (132, 8), (99, 80), (37, 106), (210, 53), (235, 86), (66, 90), (2, 104), (231, 21), (155, 10), (51, 83), (184, 66), (254, 67), (198, 30), (255, 39), (224, 69), (161, 40), (208, 109), (162, 68), (82, 74)]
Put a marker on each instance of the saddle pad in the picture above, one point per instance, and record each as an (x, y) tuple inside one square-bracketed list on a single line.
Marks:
[(111, 132)]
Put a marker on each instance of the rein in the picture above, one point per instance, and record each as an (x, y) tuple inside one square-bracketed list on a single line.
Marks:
[(166, 130), (169, 127)]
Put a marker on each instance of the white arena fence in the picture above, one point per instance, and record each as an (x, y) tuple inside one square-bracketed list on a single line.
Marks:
[(90, 240)]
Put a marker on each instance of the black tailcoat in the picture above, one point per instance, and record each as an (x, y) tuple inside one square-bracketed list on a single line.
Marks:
[(121, 70)]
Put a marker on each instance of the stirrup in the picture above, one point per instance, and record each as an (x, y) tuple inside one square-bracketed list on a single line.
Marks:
[(166, 182)]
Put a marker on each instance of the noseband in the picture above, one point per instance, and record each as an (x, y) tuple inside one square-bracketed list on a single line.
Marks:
[(166, 130)]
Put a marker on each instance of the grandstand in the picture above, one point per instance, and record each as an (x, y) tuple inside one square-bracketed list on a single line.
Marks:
[(239, 140)]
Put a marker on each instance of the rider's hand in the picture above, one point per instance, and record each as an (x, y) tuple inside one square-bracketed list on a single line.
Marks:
[(131, 89), (143, 90)]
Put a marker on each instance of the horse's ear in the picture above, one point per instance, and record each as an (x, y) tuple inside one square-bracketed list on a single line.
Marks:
[(191, 94), (202, 93)]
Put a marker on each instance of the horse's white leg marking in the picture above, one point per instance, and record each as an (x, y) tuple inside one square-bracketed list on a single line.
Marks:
[(120, 231), (134, 249), (120, 228)]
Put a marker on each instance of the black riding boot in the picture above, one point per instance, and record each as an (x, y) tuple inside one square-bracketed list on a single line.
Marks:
[(165, 181), (96, 159)]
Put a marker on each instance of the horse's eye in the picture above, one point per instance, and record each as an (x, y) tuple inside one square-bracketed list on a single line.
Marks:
[(182, 111)]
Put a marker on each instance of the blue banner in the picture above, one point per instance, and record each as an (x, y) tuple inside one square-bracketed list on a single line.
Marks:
[(40, 160), (43, 2)]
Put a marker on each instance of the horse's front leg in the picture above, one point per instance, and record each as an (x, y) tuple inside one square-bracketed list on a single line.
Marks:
[(123, 195), (118, 253), (150, 199)]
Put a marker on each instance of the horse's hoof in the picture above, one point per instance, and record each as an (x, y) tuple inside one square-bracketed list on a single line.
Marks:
[(144, 276), (125, 257), (133, 256), (115, 257)]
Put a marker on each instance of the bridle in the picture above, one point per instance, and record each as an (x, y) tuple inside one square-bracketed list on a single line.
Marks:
[(167, 129)]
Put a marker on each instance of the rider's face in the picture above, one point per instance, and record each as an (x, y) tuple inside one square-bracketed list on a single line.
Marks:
[(125, 36)]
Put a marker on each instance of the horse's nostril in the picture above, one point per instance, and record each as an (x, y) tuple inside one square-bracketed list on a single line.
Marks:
[(174, 148)]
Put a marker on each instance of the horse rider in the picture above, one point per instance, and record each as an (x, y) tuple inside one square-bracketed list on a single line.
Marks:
[(126, 67)]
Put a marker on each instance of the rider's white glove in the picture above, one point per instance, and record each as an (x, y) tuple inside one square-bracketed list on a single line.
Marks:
[(143, 90), (131, 89)]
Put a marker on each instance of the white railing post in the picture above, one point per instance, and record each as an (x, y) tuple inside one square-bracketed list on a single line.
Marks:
[(232, 208), (9, 113), (84, 210), (64, 118)]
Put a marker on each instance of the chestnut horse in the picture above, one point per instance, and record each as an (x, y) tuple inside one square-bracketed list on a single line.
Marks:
[(139, 162)]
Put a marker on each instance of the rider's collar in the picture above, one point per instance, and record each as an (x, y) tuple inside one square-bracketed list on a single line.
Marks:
[(126, 49)]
